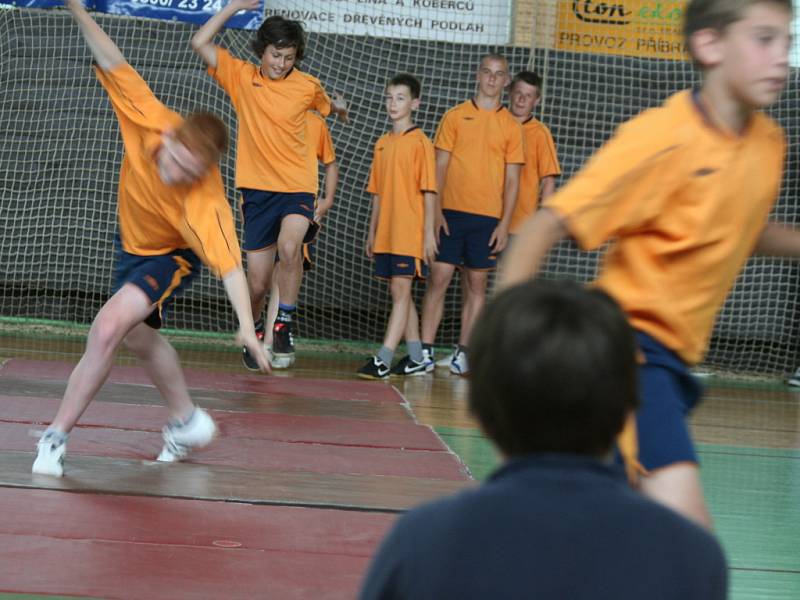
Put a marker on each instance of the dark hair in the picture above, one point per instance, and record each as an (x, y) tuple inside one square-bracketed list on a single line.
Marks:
[(408, 80), (205, 134), (528, 77), (718, 14), (281, 33), (553, 369)]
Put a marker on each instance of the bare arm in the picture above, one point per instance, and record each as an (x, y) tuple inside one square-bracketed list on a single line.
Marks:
[(331, 181), (778, 240), (537, 236), (499, 237), (236, 288), (548, 187), (373, 224), (203, 40), (430, 246), (442, 161), (106, 53)]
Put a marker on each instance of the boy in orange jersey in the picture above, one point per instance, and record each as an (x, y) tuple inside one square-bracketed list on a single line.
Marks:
[(274, 168), (541, 163), (479, 154), (173, 214), (676, 192), (401, 237), (321, 147)]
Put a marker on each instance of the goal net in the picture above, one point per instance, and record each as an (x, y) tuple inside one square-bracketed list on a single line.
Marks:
[(60, 149)]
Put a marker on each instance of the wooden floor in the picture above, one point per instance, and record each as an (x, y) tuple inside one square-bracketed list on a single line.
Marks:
[(748, 436)]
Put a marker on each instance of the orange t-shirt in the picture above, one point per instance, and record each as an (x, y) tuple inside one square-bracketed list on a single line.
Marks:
[(481, 143), (155, 218), (540, 162), (320, 144), (403, 169), (685, 206), (272, 146)]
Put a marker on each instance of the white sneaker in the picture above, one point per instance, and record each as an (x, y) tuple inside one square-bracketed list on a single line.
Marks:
[(427, 360), (794, 380), (459, 364), (180, 439), (445, 362), (50, 458)]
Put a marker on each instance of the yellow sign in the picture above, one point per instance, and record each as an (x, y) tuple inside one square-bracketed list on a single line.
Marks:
[(626, 27)]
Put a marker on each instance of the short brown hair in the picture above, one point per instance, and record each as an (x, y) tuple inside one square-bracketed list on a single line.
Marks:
[(718, 14), (205, 134)]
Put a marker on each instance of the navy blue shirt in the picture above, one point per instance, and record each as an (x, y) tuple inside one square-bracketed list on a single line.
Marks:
[(549, 527)]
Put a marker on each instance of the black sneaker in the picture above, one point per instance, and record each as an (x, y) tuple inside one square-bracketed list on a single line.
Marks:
[(283, 341), (409, 368), (247, 359), (374, 368)]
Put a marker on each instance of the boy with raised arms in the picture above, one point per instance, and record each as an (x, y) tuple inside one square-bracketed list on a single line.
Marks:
[(676, 192), (173, 215), (274, 168)]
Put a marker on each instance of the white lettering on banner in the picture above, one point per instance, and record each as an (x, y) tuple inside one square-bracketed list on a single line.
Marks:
[(466, 21)]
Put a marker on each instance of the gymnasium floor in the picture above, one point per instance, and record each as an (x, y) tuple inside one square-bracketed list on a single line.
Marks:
[(298, 492)]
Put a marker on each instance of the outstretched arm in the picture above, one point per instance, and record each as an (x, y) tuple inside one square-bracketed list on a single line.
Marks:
[(203, 40), (105, 51), (236, 288), (533, 242)]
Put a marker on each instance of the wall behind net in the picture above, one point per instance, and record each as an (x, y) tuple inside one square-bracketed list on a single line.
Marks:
[(60, 151)]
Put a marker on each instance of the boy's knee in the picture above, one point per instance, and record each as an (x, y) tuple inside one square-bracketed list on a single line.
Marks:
[(289, 251)]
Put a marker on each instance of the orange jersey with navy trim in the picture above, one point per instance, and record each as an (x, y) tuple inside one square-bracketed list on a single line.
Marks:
[(272, 147), (684, 206), (481, 143), (320, 144), (540, 162), (155, 218), (403, 169)]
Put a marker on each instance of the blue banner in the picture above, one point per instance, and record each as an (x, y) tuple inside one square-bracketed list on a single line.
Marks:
[(191, 11)]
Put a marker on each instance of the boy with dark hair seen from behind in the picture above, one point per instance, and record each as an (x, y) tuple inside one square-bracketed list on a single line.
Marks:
[(683, 191), (553, 379), (401, 237), (274, 168)]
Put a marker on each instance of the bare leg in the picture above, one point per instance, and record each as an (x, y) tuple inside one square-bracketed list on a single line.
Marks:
[(160, 360), (290, 250), (474, 284), (123, 311), (259, 275), (272, 308), (401, 299), (678, 487), (412, 322), (433, 302)]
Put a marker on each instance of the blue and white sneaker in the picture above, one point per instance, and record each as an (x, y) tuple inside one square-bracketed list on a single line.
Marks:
[(50, 456), (179, 440), (428, 361), (445, 362), (459, 365)]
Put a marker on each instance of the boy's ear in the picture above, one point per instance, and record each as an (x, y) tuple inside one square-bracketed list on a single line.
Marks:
[(705, 46), (415, 103)]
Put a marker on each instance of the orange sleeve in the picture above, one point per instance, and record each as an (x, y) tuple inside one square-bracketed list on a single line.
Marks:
[(132, 99), (208, 227), (446, 134), (321, 102), (372, 184), (325, 152), (546, 157), (515, 147), (426, 166), (227, 72), (625, 184)]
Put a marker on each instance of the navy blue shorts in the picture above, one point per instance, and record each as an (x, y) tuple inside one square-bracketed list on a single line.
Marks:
[(396, 265), (161, 277), (263, 212), (668, 393), (468, 242)]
